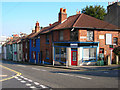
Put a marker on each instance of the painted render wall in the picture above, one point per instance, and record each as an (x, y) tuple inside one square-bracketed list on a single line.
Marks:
[(37, 49)]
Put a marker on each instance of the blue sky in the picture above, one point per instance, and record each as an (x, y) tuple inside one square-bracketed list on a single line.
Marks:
[(22, 16)]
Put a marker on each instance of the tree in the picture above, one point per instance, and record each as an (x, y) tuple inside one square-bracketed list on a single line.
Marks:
[(96, 11), (117, 50)]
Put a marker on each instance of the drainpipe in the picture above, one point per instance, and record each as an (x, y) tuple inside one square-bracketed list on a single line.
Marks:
[(53, 56)]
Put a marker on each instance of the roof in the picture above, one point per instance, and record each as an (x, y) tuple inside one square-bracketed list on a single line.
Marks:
[(76, 21), (85, 21), (28, 36), (44, 30)]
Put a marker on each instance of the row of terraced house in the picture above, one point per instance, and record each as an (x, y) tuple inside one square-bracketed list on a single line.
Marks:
[(73, 40)]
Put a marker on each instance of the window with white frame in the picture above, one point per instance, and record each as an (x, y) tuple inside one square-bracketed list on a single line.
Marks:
[(61, 35), (89, 54), (90, 35)]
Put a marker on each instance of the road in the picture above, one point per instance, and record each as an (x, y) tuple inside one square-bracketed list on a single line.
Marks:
[(33, 76)]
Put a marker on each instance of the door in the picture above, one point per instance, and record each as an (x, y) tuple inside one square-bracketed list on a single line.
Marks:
[(41, 56), (38, 57), (74, 57)]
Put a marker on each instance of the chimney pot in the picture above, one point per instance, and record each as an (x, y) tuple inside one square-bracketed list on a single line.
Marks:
[(62, 15), (37, 27), (50, 24)]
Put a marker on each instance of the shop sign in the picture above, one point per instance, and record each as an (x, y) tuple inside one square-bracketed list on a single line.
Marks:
[(82, 37), (73, 45), (101, 36)]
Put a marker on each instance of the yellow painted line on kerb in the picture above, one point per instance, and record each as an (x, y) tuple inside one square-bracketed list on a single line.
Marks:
[(17, 73)]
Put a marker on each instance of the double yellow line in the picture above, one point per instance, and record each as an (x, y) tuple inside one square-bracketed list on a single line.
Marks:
[(17, 73)]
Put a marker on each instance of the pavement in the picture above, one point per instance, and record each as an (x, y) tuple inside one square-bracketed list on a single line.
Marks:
[(80, 68)]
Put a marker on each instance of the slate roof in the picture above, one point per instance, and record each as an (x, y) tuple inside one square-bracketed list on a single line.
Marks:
[(76, 21), (85, 21)]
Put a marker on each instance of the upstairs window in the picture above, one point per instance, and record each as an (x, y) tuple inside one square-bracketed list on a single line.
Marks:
[(61, 35), (115, 41), (47, 38), (90, 35), (74, 35), (33, 42)]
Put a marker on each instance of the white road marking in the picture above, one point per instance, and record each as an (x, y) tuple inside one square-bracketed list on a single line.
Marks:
[(35, 69), (83, 77), (21, 65), (25, 78), (36, 83), (32, 87), (21, 76), (30, 80), (75, 76), (63, 74), (28, 84), (19, 79), (16, 77), (43, 86), (106, 72), (23, 81), (39, 69), (43, 70)]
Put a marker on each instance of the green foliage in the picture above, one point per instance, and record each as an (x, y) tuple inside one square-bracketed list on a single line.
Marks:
[(117, 51), (96, 11)]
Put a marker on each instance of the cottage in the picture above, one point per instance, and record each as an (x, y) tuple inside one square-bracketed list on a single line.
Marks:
[(77, 40), (34, 46)]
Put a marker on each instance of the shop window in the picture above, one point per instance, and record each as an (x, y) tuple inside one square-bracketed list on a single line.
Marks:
[(47, 54), (74, 35), (60, 54), (61, 35), (90, 35), (47, 38), (115, 41), (89, 54)]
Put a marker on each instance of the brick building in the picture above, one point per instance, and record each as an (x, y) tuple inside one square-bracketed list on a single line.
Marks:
[(76, 40)]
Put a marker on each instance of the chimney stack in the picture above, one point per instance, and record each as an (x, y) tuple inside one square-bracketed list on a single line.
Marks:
[(37, 27), (77, 12), (62, 15)]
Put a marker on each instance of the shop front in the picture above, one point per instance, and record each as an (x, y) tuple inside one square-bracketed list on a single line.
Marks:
[(75, 53)]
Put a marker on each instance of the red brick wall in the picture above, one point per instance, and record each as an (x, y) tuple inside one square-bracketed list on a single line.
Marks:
[(81, 35), (44, 46), (25, 50), (102, 44)]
